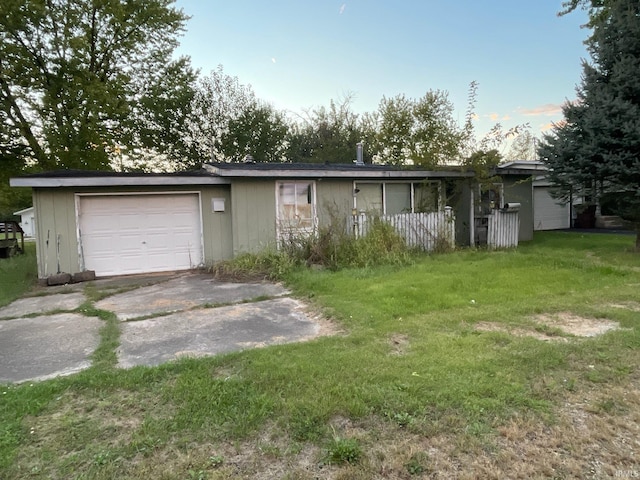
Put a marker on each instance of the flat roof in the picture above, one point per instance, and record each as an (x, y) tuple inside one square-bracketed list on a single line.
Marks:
[(86, 178), (222, 173), (330, 170)]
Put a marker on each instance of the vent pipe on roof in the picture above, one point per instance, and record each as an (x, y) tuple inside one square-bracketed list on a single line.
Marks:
[(359, 153)]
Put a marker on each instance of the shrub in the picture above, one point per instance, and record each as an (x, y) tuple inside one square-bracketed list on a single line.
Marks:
[(332, 247)]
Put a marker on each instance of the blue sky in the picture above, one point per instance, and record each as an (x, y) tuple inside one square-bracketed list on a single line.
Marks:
[(300, 54)]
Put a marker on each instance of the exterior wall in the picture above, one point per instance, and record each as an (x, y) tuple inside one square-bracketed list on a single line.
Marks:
[(216, 226), (460, 200), (253, 215), (57, 240), (518, 189), (334, 201), (56, 219)]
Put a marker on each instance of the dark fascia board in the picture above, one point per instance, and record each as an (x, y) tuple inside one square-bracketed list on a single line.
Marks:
[(521, 172), (356, 174), (116, 181)]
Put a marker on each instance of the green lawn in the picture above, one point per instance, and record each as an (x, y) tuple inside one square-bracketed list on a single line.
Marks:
[(17, 274), (445, 368)]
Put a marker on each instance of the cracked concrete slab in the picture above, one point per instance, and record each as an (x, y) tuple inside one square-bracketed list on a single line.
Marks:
[(211, 331), (43, 304), (182, 293), (44, 347)]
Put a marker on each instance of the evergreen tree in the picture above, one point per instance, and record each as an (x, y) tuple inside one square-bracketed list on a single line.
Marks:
[(597, 147)]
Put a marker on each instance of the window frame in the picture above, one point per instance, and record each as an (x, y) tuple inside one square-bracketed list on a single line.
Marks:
[(437, 183)]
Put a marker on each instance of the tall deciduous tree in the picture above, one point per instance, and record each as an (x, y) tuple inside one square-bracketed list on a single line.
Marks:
[(258, 132), (420, 131), (598, 146), (327, 135), (228, 122), (79, 79), (219, 100)]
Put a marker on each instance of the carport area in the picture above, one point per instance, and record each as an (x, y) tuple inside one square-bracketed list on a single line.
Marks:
[(161, 318)]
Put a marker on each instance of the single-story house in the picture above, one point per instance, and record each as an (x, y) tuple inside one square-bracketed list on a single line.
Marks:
[(27, 221), (126, 223)]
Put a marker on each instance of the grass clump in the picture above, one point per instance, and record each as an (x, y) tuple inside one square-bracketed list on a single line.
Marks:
[(266, 265), (343, 450)]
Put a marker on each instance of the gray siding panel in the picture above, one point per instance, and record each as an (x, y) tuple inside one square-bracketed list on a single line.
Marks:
[(520, 190)]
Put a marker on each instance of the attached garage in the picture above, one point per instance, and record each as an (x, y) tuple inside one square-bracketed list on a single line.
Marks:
[(139, 233), (548, 214)]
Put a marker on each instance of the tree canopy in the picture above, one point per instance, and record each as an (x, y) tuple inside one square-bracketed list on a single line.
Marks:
[(81, 79), (597, 147)]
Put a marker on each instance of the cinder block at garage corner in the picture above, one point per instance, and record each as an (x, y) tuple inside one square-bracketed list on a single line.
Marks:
[(59, 279), (85, 276)]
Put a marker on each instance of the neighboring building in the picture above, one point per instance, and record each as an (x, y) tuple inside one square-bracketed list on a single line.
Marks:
[(27, 221), (549, 213), (127, 223)]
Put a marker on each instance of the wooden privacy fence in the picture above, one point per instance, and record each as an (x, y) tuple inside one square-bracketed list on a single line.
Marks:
[(503, 229), (426, 231)]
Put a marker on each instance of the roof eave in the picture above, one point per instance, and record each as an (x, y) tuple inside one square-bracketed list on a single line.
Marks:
[(137, 181), (347, 174)]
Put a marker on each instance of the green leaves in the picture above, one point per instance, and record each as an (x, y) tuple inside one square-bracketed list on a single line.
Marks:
[(74, 77), (595, 151)]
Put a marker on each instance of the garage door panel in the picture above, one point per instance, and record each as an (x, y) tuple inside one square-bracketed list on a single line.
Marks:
[(548, 213), (124, 234)]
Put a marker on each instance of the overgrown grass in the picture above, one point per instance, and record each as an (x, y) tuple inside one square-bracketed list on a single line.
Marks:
[(409, 369), (17, 274), (332, 248)]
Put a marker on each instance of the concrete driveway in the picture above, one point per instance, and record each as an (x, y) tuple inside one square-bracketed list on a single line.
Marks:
[(163, 317)]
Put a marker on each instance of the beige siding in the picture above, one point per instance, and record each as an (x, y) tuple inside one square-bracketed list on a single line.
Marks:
[(57, 243), (254, 215)]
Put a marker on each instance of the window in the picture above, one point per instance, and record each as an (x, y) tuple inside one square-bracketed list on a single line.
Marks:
[(391, 198), (427, 196), (491, 197), (397, 198), (296, 205)]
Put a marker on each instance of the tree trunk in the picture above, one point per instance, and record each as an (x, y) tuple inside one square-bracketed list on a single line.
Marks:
[(638, 239)]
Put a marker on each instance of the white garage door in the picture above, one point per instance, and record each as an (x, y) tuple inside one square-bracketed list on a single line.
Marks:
[(547, 214), (125, 234)]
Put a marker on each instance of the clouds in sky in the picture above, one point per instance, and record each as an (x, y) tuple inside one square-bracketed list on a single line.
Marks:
[(494, 117), (342, 8), (547, 110)]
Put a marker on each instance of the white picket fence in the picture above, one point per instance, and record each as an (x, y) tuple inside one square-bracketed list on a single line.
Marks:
[(421, 230), (503, 229)]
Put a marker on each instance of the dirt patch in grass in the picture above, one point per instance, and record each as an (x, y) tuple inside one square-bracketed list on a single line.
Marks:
[(399, 344), (554, 327), (577, 325), (517, 331), (326, 326)]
